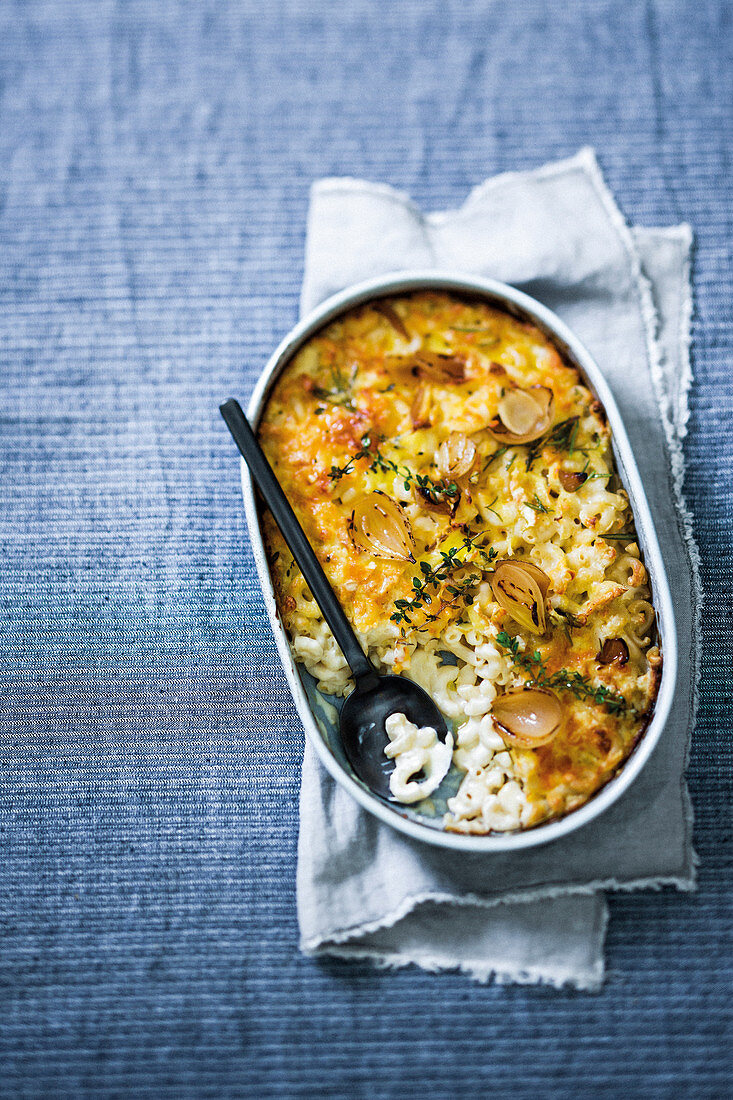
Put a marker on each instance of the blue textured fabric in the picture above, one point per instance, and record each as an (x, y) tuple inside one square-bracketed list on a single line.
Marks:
[(155, 159)]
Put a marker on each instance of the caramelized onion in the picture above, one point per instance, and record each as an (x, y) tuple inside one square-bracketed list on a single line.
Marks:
[(614, 651), (520, 588), (379, 526), (523, 415), (457, 456), (538, 575), (528, 716), (390, 314), (439, 368), (437, 501), (571, 480), (420, 408)]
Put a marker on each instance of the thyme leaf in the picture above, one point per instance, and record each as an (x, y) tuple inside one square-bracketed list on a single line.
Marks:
[(492, 458), (434, 577), (561, 437), (341, 391), (578, 685), (436, 491), (490, 508), (537, 505)]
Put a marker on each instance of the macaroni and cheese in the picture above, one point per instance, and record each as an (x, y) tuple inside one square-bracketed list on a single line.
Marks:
[(455, 477)]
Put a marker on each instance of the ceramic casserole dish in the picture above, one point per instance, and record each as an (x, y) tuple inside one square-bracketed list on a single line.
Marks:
[(319, 710)]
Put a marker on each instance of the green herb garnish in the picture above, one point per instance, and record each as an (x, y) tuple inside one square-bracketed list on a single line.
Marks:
[(537, 504), (492, 458), (436, 491), (433, 577), (561, 437), (341, 391), (574, 682), (490, 508)]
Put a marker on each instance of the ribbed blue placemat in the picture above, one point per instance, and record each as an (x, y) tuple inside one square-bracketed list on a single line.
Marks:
[(155, 160)]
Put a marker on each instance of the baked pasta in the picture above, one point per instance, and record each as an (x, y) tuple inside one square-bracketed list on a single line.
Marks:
[(455, 478)]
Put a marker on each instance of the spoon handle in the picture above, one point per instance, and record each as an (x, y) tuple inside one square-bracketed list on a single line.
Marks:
[(297, 540)]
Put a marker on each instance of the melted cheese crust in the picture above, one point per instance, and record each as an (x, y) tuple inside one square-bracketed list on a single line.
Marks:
[(355, 411)]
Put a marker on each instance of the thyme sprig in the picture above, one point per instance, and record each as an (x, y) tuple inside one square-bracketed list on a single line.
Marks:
[(537, 504), (561, 437), (433, 577), (574, 682), (492, 458), (341, 391), (337, 472), (594, 473), (437, 491)]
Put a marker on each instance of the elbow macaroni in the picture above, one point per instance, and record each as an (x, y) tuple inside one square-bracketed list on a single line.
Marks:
[(416, 751)]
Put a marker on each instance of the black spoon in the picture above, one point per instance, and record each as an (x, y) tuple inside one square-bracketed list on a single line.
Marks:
[(375, 697)]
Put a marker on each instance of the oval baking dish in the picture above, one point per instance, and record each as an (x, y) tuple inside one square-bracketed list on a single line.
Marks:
[(318, 712)]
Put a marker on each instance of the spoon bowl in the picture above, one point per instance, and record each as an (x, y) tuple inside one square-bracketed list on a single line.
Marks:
[(362, 725)]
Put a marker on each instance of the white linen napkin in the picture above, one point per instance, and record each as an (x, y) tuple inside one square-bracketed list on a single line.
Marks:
[(363, 889)]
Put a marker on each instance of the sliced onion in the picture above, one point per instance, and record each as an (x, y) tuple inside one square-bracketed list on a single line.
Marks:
[(439, 368), (379, 526), (571, 480), (614, 651), (390, 314), (420, 408), (457, 456), (528, 716), (516, 588), (523, 415)]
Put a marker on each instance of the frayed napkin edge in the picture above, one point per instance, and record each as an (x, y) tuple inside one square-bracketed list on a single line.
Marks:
[(584, 158), (346, 945), (591, 982)]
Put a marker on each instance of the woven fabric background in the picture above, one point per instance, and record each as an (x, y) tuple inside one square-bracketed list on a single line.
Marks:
[(155, 160)]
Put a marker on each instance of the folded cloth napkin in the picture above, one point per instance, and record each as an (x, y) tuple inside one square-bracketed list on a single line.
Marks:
[(363, 889)]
